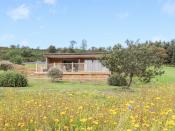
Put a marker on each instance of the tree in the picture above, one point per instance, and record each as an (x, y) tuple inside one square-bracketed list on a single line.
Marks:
[(13, 46), (84, 45), (72, 44), (136, 60), (52, 49), (173, 56)]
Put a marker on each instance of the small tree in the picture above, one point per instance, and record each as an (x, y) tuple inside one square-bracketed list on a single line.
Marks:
[(138, 60), (55, 74)]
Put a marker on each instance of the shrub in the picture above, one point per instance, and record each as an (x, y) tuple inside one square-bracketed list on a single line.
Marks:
[(12, 79), (17, 60), (55, 73), (117, 80), (6, 65)]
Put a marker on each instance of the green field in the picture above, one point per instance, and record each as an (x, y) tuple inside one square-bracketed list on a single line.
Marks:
[(76, 106)]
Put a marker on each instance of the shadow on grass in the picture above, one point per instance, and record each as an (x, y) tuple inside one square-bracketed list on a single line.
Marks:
[(114, 90)]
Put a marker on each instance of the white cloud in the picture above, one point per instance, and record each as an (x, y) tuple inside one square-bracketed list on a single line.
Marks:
[(169, 8), (22, 12), (122, 15), (50, 2)]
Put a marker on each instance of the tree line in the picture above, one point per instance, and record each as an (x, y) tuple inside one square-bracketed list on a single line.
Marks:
[(19, 54)]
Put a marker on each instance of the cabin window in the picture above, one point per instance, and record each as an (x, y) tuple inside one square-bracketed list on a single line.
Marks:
[(94, 65)]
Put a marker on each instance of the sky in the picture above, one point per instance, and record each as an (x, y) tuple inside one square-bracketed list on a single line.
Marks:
[(40, 23)]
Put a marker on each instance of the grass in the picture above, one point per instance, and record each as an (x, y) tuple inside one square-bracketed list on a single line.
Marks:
[(75, 106), (168, 77), (30, 66)]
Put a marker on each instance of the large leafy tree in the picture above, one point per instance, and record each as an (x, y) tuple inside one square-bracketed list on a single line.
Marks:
[(52, 49), (142, 61)]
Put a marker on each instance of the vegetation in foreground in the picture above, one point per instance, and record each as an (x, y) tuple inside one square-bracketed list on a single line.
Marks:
[(76, 106)]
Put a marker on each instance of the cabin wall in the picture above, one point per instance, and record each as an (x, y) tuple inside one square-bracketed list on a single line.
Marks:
[(53, 60)]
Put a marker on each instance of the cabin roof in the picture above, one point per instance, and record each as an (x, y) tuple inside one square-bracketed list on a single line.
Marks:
[(73, 55)]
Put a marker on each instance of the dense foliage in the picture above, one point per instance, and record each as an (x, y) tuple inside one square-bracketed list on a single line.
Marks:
[(142, 61), (55, 73), (12, 79), (6, 65), (117, 80), (18, 55)]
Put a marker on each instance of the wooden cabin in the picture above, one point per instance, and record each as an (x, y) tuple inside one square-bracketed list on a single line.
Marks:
[(76, 66)]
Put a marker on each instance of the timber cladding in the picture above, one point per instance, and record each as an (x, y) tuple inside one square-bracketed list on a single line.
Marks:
[(86, 76)]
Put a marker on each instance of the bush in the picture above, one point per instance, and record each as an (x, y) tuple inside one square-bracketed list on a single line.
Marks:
[(117, 80), (12, 79), (55, 73), (17, 60), (6, 65)]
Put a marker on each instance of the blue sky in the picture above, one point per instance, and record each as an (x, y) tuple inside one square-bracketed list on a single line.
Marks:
[(39, 23)]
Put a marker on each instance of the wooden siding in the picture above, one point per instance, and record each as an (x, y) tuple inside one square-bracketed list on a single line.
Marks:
[(80, 76)]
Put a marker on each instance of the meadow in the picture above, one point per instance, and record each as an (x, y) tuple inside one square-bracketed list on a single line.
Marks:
[(76, 106)]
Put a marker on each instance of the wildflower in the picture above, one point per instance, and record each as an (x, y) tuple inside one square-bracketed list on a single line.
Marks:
[(89, 128), (20, 124), (44, 118), (31, 120), (38, 130), (173, 117), (136, 125), (56, 120), (157, 98), (170, 123), (95, 122), (62, 113), (112, 112), (80, 107), (115, 123), (6, 124), (71, 120), (131, 102), (83, 120), (90, 118)]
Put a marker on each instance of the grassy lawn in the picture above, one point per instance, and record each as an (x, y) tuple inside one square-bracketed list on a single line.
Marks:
[(75, 106), (168, 77)]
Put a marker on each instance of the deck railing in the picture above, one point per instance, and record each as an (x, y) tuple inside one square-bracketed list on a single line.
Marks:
[(72, 67)]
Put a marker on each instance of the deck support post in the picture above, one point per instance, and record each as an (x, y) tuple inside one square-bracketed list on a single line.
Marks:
[(46, 63), (36, 68), (72, 67)]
